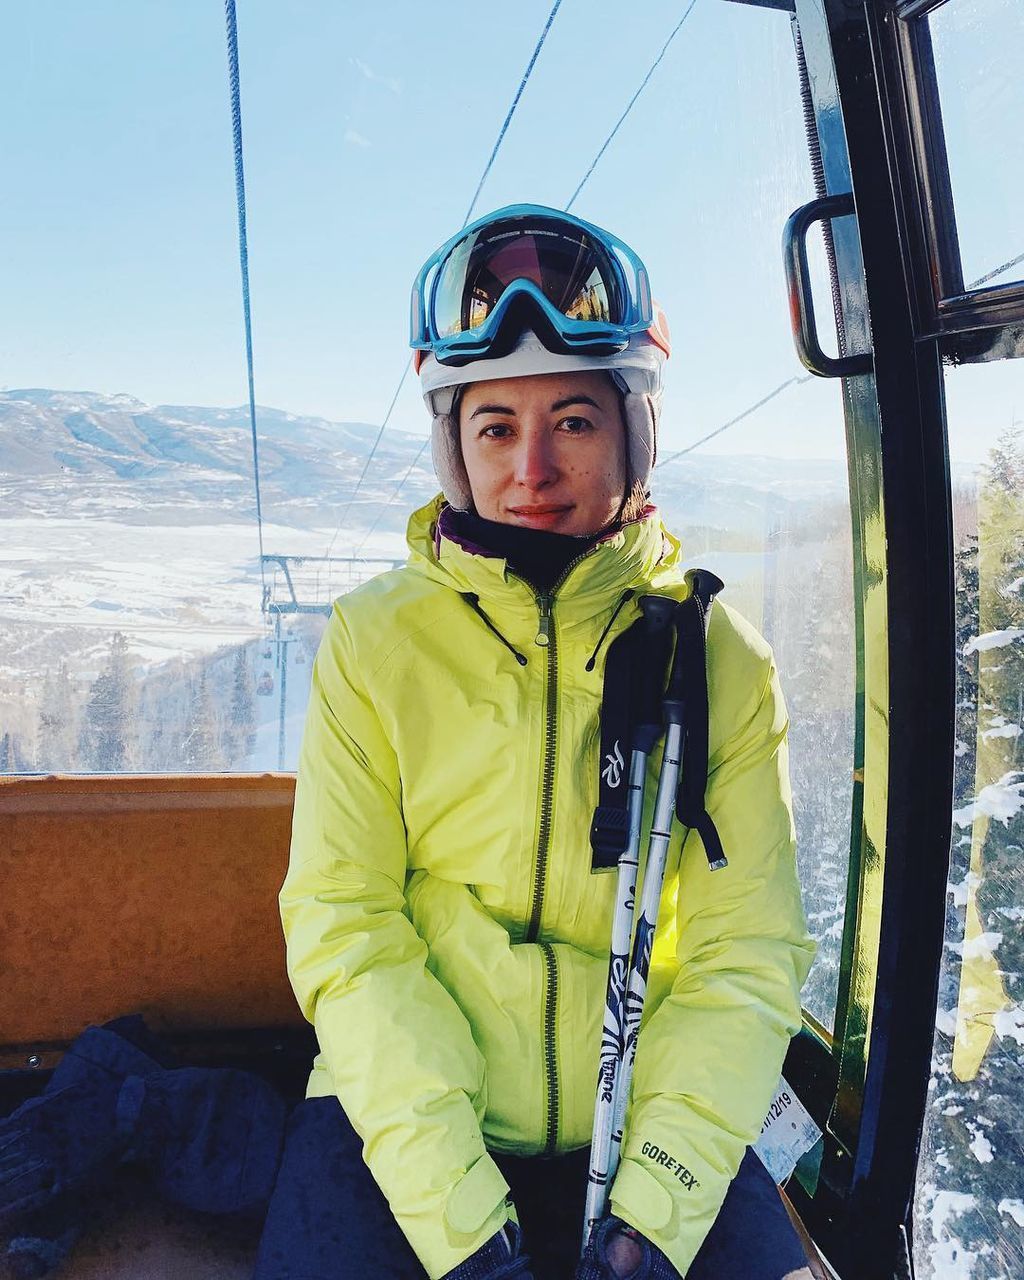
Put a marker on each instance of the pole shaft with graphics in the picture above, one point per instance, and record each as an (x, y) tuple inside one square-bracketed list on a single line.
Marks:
[(613, 1030), (643, 938)]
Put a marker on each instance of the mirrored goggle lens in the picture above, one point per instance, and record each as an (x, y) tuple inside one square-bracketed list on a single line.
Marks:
[(571, 270)]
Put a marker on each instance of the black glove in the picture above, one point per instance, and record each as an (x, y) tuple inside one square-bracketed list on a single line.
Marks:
[(72, 1134), (594, 1264), (212, 1138), (499, 1259)]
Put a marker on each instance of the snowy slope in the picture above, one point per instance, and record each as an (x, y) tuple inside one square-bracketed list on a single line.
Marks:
[(83, 454)]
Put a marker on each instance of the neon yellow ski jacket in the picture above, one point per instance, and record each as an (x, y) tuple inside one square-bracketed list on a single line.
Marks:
[(446, 935)]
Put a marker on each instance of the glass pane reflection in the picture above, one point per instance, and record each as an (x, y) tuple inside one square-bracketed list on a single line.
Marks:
[(970, 1197), (979, 53)]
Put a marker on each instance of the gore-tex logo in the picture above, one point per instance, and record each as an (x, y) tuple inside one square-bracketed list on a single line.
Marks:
[(677, 1170)]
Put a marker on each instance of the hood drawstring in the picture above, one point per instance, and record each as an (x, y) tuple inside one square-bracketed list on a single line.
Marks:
[(474, 603), (626, 595)]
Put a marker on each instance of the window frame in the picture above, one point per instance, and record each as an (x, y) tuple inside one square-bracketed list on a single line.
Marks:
[(860, 1209), (985, 323)]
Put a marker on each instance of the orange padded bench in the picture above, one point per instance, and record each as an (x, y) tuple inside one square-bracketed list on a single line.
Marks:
[(151, 894)]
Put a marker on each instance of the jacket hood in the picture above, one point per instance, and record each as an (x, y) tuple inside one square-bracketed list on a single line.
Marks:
[(640, 554)]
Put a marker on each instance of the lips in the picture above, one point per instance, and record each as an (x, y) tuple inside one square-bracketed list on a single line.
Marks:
[(544, 509), (545, 515)]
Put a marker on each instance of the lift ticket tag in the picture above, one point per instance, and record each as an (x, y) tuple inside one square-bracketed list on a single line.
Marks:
[(787, 1133)]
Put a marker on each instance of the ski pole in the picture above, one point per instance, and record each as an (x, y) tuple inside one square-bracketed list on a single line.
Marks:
[(646, 673), (703, 588)]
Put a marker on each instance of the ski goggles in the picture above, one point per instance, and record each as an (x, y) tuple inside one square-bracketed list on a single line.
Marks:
[(580, 288)]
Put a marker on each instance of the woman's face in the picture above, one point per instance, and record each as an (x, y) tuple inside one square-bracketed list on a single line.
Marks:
[(545, 452)]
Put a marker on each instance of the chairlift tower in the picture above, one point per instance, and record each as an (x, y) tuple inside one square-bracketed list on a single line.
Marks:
[(307, 585)]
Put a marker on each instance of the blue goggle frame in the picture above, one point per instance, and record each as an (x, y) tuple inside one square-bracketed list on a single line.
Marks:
[(599, 337)]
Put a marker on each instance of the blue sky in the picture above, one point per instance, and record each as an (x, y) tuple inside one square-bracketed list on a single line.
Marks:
[(366, 130)]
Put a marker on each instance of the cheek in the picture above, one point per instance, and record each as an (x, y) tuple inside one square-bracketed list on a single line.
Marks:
[(481, 475), (484, 481), (606, 460), (471, 458), (614, 470)]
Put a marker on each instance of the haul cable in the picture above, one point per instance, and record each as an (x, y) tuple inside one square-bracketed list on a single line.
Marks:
[(630, 105), (243, 258), (790, 382)]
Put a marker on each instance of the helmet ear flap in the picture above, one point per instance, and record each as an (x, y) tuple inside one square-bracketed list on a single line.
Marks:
[(446, 452), (654, 408), (641, 411), (442, 400)]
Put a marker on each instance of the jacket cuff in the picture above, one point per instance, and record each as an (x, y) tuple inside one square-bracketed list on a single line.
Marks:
[(676, 1223), (594, 1265), (475, 1210), (501, 1256)]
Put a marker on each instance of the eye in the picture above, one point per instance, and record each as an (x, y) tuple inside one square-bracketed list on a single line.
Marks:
[(576, 426), (496, 431)]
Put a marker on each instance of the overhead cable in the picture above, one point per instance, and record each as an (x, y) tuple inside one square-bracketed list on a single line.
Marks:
[(629, 106), (997, 272), (733, 421), (469, 213), (512, 110), (369, 457), (401, 485), (243, 258)]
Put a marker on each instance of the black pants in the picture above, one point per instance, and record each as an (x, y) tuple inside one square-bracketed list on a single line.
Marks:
[(328, 1219)]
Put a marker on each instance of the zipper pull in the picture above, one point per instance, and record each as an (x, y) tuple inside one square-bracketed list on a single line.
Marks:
[(543, 637)]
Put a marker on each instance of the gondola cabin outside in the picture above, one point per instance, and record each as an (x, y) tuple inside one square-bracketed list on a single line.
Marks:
[(828, 195)]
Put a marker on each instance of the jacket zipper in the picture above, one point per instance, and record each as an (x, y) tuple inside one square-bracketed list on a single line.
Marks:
[(550, 1058), (546, 638)]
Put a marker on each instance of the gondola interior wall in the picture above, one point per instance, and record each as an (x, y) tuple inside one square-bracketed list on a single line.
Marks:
[(186, 484)]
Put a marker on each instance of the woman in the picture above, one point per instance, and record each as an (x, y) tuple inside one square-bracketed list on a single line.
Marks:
[(446, 935)]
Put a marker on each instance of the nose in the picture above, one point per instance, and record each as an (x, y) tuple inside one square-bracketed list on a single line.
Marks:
[(536, 465)]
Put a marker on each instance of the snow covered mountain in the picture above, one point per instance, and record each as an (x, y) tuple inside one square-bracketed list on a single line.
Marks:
[(85, 454)]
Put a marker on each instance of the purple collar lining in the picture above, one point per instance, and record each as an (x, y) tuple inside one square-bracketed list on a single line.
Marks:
[(443, 529)]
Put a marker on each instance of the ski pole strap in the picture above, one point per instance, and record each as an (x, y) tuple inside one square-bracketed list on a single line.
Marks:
[(609, 830), (691, 631)]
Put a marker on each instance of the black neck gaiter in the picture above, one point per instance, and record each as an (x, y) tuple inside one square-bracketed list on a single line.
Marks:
[(537, 555)]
